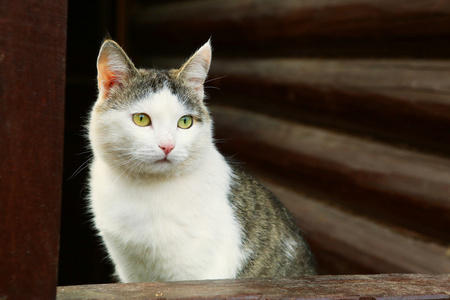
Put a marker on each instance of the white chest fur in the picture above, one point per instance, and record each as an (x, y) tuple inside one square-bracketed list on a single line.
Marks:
[(181, 228)]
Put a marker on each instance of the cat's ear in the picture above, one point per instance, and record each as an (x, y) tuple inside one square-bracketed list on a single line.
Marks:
[(113, 66), (196, 68)]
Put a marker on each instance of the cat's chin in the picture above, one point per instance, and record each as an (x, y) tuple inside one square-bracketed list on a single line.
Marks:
[(164, 167)]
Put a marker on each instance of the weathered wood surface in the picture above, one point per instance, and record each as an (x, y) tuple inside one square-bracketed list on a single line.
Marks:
[(32, 83), (303, 23), (402, 100), (396, 100), (324, 18), (362, 241), (324, 287), (392, 184)]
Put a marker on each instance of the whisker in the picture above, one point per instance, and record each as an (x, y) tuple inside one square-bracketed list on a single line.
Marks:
[(80, 168), (84, 152), (216, 78), (134, 167), (219, 141), (212, 87), (125, 171)]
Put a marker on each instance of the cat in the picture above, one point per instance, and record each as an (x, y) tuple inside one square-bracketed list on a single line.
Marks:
[(164, 200)]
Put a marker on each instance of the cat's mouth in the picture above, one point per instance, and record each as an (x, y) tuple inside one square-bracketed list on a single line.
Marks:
[(164, 160)]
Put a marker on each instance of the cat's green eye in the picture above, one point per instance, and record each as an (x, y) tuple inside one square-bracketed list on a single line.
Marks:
[(141, 119), (185, 122)]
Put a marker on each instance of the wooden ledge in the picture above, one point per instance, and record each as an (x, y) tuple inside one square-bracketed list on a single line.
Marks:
[(329, 287)]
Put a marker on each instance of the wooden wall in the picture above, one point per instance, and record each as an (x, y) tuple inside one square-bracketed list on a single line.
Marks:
[(341, 107)]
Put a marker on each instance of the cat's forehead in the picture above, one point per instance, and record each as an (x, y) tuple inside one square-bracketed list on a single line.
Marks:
[(155, 85), (153, 79), (161, 102), (162, 88)]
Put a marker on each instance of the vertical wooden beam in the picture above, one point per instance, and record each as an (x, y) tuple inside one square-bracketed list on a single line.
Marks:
[(32, 84)]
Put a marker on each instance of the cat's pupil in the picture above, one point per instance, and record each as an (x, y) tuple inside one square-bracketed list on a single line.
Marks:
[(185, 122)]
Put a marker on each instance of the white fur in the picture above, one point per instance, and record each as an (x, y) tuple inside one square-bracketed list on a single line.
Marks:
[(175, 223), (290, 249)]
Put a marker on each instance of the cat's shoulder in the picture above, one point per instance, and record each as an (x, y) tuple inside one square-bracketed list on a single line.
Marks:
[(247, 190)]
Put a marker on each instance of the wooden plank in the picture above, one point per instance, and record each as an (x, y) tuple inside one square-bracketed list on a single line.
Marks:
[(32, 76), (395, 185), (367, 244), (401, 100), (311, 18), (326, 287), (369, 25)]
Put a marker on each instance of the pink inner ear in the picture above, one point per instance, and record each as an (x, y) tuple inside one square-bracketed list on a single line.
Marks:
[(107, 78)]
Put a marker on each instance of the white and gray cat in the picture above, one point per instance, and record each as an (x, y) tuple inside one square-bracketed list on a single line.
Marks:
[(165, 202)]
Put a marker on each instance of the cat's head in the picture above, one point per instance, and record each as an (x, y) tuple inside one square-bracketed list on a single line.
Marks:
[(150, 122)]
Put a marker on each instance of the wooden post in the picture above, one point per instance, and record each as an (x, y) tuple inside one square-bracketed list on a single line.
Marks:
[(32, 84)]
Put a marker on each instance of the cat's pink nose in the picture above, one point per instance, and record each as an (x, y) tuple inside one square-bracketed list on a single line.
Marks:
[(167, 148)]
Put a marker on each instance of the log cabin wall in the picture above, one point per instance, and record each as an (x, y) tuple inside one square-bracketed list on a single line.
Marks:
[(341, 107)]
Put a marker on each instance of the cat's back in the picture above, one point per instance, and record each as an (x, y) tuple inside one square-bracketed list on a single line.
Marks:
[(273, 242)]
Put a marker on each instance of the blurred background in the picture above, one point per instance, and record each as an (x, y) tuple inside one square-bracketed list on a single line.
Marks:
[(342, 108)]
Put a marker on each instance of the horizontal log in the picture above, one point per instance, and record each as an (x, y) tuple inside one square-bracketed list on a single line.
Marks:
[(330, 287), (402, 100), (392, 184), (363, 242), (312, 18), (293, 23)]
